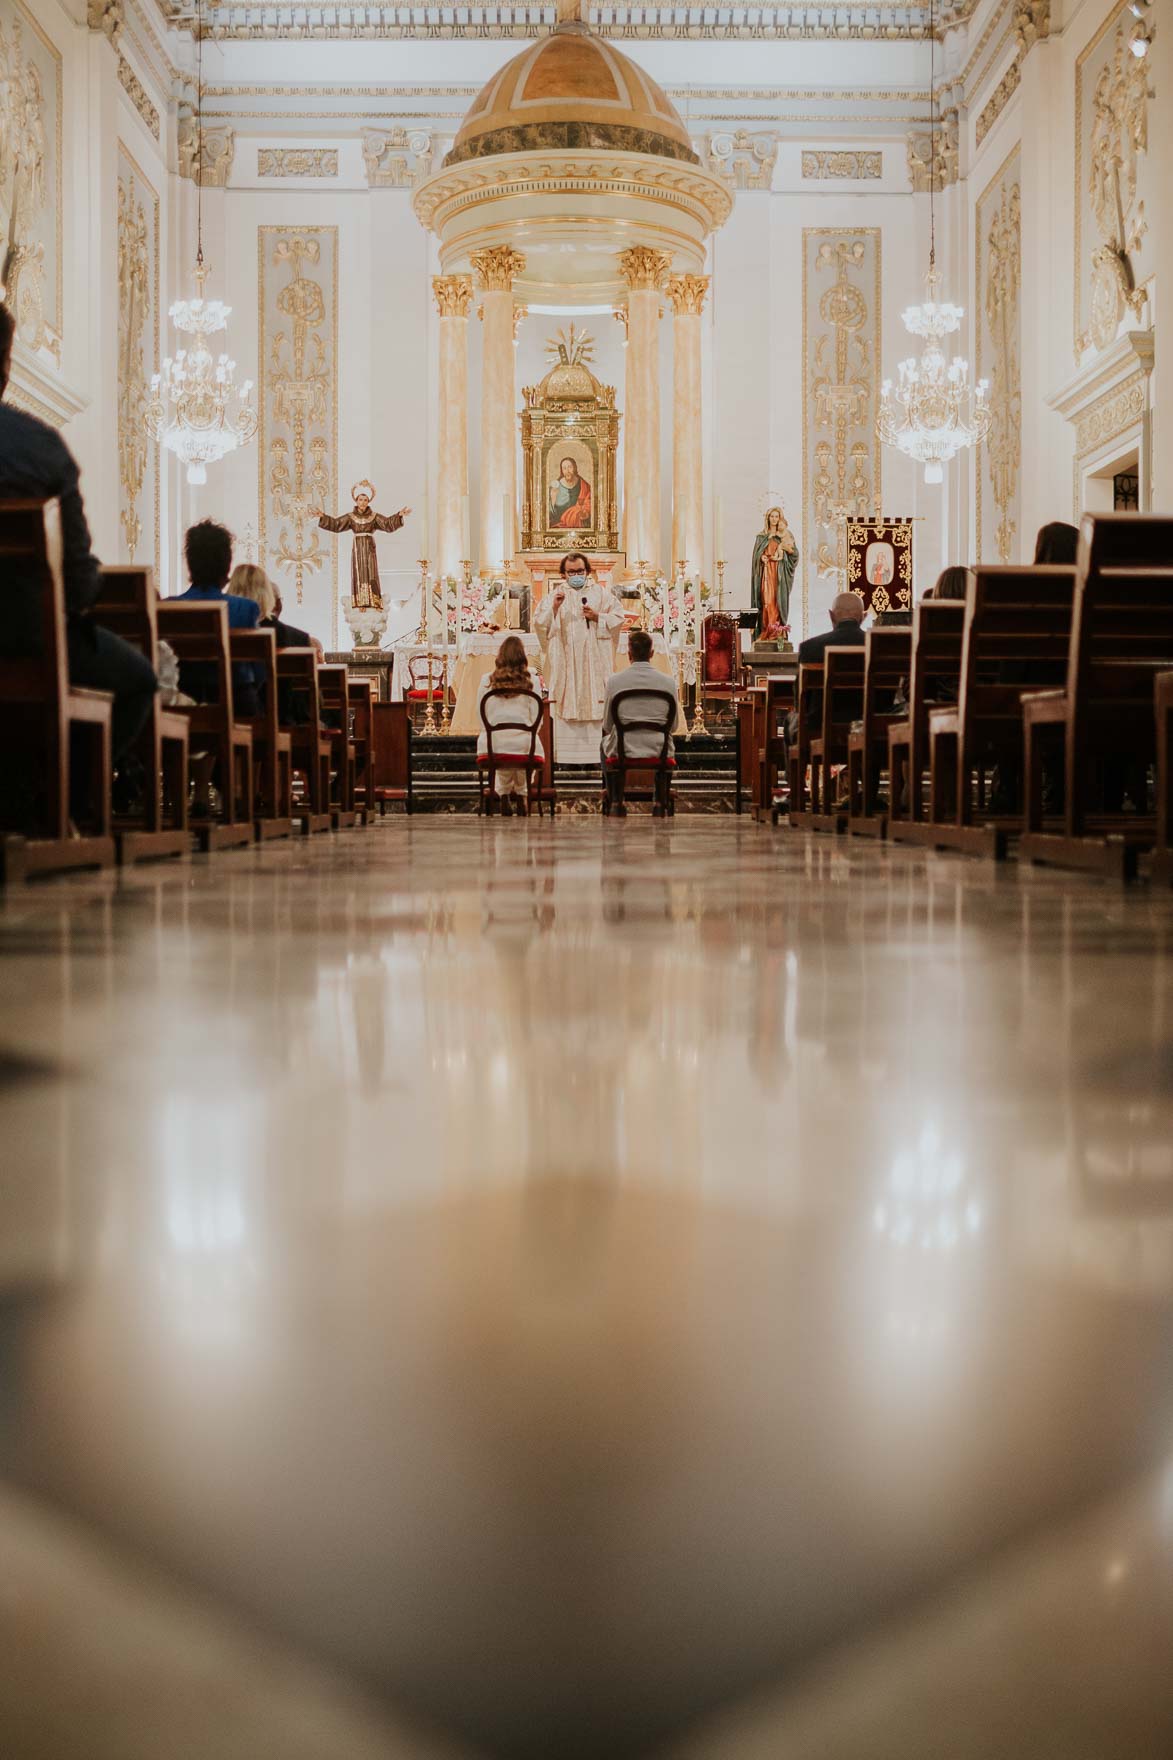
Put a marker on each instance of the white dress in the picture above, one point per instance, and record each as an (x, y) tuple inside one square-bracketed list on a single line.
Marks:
[(580, 660)]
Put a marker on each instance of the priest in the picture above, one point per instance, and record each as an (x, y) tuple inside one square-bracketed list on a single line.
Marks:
[(577, 624)]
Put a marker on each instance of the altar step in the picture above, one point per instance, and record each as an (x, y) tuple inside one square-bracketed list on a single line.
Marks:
[(444, 776)]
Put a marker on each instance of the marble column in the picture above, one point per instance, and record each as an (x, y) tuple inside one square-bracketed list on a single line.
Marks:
[(644, 271), (495, 270), (453, 298), (687, 294)]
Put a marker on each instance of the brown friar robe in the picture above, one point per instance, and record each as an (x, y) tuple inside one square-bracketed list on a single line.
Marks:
[(365, 591)]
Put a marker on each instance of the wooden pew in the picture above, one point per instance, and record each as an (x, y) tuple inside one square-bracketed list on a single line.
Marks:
[(751, 743), (361, 693), (887, 663), (128, 606), (781, 697), (311, 745), (842, 705), (335, 701), (1100, 727), (1017, 633), (809, 710), (1161, 868), (391, 755), (546, 791), (272, 799), (198, 632), (44, 720), (938, 629)]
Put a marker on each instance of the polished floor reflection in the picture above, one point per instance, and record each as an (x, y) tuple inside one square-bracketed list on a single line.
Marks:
[(591, 1290)]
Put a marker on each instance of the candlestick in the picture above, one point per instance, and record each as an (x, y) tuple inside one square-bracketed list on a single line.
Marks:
[(425, 523), (719, 528), (720, 585), (430, 712), (465, 530), (421, 634), (506, 531)]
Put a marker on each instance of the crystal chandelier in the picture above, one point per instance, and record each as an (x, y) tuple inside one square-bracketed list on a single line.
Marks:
[(933, 410), (196, 409)]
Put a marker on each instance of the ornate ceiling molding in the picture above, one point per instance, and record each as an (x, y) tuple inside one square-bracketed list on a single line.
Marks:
[(744, 160), (219, 150), (297, 162), (819, 166), (396, 158)]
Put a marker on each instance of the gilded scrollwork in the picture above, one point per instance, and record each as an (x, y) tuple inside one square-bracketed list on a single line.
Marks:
[(214, 147), (743, 158), (396, 158), (1119, 135), (999, 281), (841, 314), (934, 155), (299, 396), (30, 98), (822, 166), (138, 231)]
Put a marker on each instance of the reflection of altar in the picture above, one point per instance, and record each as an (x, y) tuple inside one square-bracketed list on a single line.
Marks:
[(476, 662)]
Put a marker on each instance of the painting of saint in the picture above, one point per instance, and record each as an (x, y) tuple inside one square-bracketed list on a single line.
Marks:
[(880, 564), (570, 499)]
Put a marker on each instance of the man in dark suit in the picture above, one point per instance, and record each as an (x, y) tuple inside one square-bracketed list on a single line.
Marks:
[(846, 631), (207, 549), (36, 464)]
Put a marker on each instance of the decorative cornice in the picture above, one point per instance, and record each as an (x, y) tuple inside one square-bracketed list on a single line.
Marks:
[(689, 189), (133, 86), (396, 158), (1003, 92), (1032, 24), (644, 270), (218, 150), (1112, 414), (41, 392), (934, 157), (743, 159), (297, 162), (687, 294), (818, 166), (496, 268), (1131, 353), (106, 17), (453, 295)]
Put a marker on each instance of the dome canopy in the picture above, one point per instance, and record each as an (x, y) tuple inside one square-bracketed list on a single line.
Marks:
[(571, 89)]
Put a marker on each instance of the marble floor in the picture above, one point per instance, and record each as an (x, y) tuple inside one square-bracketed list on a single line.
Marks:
[(590, 1291)]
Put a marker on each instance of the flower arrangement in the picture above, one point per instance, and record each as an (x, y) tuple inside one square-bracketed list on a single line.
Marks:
[(677, 602), (474, 603)]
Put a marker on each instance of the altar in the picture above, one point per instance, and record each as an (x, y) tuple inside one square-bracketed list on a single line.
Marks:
[(474, 665)]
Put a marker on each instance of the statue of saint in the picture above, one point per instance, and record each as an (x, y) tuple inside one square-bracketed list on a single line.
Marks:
[(364, 522), (775, 558)]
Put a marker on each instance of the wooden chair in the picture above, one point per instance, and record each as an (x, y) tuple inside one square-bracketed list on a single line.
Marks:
[(310, 743), (887, 662), (546, 787), (1017, 633), (1099, 730), (198, 632), (938, 632), (842, 706), (658, 767), (272, 800), (808, 709), (751, 743), (511, 748), (719, 670), (335, 701), (391, 755), (416, 687), (128, 606), (361, 694), (47, 725), (1161, 868)]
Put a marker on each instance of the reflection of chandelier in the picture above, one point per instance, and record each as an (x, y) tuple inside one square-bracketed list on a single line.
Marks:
[(933, 411), (196, 409)]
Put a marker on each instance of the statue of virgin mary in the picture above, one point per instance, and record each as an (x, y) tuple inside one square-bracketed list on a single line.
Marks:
[(775, 558)]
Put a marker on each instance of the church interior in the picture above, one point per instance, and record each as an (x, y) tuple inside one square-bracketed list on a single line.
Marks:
[(688, 1276)]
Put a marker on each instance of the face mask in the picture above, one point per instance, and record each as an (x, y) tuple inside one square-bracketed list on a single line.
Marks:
[(577, 581)]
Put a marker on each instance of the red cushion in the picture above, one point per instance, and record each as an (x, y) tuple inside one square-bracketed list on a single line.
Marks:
[(423, 695)]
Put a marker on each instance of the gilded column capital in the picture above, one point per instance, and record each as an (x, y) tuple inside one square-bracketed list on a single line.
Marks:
[(687, 293), (215, 162), (453, 295), (495, 268), (644, 269), (105, 16)]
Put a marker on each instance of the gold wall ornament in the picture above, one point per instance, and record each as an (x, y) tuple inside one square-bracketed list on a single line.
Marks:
[(1001, 96), (496, 268), (570, 447), (138, 348), (644, 269), (31, 178), (934, 155), (841, 328), (219, 148), (1119, 135), (105, 16), (998, 279), (1032, 23), (745, 159), (298, 323), (297, 162), (520, 314), (1113, 414), (396, 158), (687, 293), (818, 166), (453, 295), (133, 86)]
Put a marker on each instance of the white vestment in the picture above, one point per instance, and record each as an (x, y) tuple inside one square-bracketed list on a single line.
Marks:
[(580, 658)]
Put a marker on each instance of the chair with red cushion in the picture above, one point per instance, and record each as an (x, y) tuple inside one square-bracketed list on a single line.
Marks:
[(658, 768), (511, 747), (417, 688)]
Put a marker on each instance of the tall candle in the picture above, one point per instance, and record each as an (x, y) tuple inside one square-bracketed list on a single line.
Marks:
[(465, 533), (719, 530)]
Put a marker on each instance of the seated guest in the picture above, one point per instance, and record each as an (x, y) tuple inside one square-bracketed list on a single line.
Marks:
[(641, 675), (249, 581), (36, 464), (1057, 542), (208, 549), (511, 676), (951, 583), (846, 631)]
